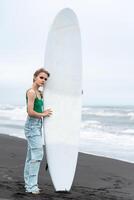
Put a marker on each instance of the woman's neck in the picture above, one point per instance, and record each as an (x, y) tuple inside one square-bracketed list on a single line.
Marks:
[(35, 86)]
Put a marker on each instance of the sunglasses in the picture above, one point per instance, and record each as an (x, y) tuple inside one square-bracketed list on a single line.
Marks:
[(41, 77)]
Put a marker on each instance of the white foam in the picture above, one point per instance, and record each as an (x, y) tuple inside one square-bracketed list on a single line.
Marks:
[(115, 140), (106, 112), (16, 113), (91, 124), (131, 115), (110, 145), (130, 131)]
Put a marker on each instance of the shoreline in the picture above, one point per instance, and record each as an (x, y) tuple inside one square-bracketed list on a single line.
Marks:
[(83, 152), (96, 177)]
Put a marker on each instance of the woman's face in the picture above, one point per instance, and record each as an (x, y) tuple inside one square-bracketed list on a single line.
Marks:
[(41, 79)]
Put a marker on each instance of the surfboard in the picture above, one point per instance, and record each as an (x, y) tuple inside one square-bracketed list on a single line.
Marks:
[(62, 93)]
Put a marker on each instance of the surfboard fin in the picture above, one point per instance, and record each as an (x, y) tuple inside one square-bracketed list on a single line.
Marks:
[(46, 166)]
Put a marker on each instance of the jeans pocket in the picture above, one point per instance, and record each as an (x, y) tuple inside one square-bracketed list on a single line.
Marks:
[(33, 127), (33, 131)]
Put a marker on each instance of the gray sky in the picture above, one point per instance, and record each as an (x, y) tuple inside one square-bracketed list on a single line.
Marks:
[(107, 30)]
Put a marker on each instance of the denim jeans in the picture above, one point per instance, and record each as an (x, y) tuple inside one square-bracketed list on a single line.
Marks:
[(33, 133)]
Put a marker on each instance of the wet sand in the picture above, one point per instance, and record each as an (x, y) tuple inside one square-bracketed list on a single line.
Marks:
[(96, 178)]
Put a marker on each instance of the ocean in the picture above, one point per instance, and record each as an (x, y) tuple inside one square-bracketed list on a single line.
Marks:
[(105, 130)]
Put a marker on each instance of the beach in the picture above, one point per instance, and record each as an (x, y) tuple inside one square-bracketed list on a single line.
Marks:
[(96, 178)]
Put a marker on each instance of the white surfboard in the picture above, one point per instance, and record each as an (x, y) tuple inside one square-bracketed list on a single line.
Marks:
[(62, 93)]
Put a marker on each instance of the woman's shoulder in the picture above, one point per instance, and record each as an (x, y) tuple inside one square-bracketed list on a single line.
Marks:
[(30, 91)]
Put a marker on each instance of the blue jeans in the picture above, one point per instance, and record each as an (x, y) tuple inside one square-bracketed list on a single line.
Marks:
[(33, 133)]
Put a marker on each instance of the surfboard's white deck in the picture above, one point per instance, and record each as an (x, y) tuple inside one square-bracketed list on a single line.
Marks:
[(63, 94)]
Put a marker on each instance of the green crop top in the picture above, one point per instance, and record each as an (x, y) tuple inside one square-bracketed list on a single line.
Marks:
[(38, 104)]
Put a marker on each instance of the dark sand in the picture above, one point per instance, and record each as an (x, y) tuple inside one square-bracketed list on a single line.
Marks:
[(96, 178)]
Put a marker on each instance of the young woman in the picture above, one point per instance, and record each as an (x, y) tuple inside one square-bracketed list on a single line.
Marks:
[(33, 127)]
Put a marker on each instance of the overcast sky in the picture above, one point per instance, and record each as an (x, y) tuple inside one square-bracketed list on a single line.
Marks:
[(107, 30)]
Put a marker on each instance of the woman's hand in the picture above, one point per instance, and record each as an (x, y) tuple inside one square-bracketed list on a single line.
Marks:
[(47, 113)]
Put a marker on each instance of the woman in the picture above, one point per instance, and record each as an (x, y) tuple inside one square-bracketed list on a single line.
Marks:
[(33, 126)]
